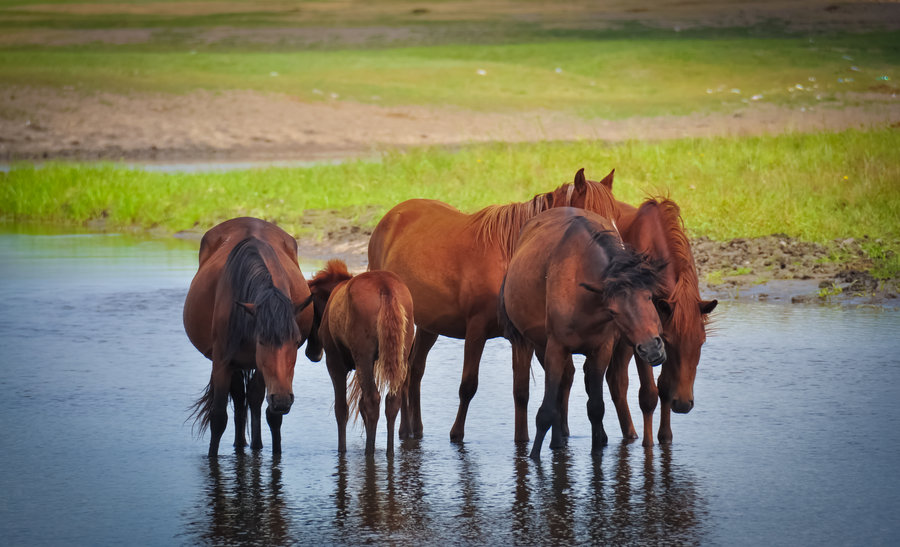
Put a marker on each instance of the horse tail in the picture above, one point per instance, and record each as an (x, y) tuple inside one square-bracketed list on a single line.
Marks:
[(391, 360), (200, 411), (392, 364)]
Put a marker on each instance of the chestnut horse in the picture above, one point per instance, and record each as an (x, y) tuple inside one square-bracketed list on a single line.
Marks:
[(573, 287), (243, 312), (453, 264), (657, 229), (365, 323)]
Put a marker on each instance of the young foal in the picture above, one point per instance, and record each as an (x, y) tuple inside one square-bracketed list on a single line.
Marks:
[(573, 287), (365, 323)]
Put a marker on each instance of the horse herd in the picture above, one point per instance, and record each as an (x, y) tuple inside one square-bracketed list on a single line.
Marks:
[(569, 271)]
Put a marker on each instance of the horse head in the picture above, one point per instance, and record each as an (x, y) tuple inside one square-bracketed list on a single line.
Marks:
[(629, 281), (277, 338), (685, 333), (321, 286)]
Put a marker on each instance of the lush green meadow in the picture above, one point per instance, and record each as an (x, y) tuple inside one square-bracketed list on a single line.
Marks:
[(816, 187)]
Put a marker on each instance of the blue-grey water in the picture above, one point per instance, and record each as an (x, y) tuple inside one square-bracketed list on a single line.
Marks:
[(793, 439)]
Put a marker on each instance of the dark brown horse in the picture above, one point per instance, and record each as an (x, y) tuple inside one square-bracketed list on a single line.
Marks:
[(243, 312), (573, 287), (657, 229), (365, 323), (453, 264)]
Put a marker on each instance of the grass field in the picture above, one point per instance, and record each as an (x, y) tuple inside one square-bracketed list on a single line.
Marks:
[(816, 187)]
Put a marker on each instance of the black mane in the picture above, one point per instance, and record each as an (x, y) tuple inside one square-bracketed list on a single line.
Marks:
[(627, 270), (272, 322)]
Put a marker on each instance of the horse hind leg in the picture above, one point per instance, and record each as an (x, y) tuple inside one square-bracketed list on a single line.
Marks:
[(219, 382), (521, 356), (411, 413), (369, 398), (391, 409)]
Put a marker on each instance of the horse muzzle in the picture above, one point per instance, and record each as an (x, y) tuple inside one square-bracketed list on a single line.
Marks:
[(281, 404), (681, 406), (653, 352)]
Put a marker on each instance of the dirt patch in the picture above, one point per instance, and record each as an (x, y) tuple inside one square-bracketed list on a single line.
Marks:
[(51, 123)]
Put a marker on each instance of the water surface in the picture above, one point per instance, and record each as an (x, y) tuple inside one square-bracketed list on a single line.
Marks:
[(791, 440)]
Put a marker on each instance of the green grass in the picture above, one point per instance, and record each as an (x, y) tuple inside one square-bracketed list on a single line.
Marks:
[(817, 187), (611, 76)]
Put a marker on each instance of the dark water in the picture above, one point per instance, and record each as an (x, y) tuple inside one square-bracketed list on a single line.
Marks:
[(792, 441)]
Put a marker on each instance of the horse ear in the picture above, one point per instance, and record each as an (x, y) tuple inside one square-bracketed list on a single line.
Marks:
[(608, 179), (249, 307), (580, 182), (707, 306)]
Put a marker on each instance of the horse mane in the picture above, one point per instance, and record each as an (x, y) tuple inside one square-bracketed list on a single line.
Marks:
[(499, 225), (272, 323), (684, 298), (628, 270), (334, 272)]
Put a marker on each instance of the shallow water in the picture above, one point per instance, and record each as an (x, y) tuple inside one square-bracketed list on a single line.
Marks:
[(791, 441)]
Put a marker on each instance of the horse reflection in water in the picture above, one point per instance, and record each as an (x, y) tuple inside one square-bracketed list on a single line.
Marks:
[(374, 498), (649, 505), (244, 504)]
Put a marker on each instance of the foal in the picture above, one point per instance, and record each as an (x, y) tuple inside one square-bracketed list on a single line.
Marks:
[(365, 323)]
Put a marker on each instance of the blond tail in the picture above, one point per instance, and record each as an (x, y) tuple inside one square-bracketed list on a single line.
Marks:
[(392, 364)]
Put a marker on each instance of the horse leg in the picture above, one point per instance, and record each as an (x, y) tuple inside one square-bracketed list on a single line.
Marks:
[(474, 346), (548, 413), (617, 380), (239, 399), (565, 390), (648, 397), (338, 372), (411, 417), (219, 381), (370, 399), (594, 368), (274, 420), (665, 423), (521, 368), (391, 408), (256, 394)]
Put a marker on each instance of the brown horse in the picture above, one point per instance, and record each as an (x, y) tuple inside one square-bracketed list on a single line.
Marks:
[(453, 264), (365, 323), (243, 312), (657, 229), (573, 287)]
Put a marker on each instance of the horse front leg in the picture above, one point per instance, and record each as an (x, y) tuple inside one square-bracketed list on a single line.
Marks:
[(338, 372), (474, 346), (594, 369), (256, 394), (665, 422), (617, 380), (411, 412), (274, 420), (521, 357), (239, 399), (648, 397), (548, 414)]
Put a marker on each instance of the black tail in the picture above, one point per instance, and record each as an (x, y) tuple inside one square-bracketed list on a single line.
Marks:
[(201, 409)]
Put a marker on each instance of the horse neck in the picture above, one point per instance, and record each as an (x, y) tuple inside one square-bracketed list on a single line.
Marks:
[(499, 225), (681, 286)]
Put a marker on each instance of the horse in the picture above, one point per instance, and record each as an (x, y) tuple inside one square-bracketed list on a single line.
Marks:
[(573, 287), (365, 323), (657, 229), (453, 264), (244, 312)]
